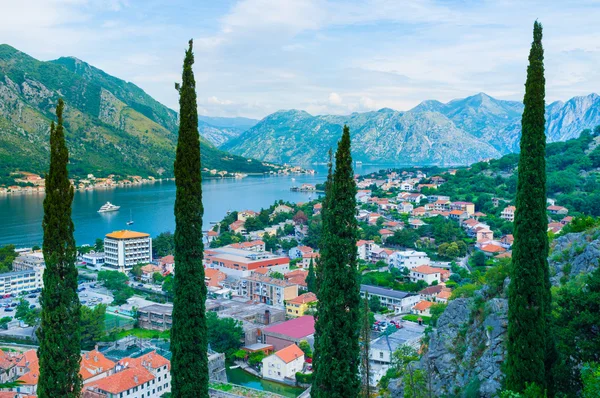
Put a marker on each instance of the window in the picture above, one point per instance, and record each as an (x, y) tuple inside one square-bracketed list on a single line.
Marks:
[(381, 354)]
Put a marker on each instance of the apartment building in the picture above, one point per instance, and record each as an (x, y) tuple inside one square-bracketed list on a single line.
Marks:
[(408, 259), (264, 289), (156, 317), (124, 249)]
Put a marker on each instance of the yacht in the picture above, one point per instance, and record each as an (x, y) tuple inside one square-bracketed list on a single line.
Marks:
[(130, 219), (108, 207)]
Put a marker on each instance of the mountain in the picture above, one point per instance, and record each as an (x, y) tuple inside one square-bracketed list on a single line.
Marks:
[(219, 130), (112, 126), (461, 131)]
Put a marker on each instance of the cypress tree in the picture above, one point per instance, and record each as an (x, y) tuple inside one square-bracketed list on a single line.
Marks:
[(189, 363), (59, 336), (337, 325), (310, 278), (530, 344), (365, 338)]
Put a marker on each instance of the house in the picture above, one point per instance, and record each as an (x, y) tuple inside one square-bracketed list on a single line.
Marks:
[(297, 306), (464, 206), (307, 258), (408, 259), (282, 209), (289, 332), (566, 220), (405, 207), (264, 289), (431, 292), (254, 246), (399, 302), (95, 366), (508, 213), (422, 308), (168, 263), (373, 218), (214, 277), (443, 296), (237, 227), (442, 205), (297, 277), (145, 376), (363, 195), (415, 197), (148, 271), (245, 214), (317, 208), (507, 240), (299, 251), (419, 212), (382, 348), (283, 364), (484, 234), (385, 233), (156, 317), (555, 227), (381, 254), (415, 223), (364, 249), (557, 210), (459, 215), (211, 235), (393, 225), (492, 250), (427, 274)]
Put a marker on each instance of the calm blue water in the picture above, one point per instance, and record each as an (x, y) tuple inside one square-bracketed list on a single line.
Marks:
[(151, 206)]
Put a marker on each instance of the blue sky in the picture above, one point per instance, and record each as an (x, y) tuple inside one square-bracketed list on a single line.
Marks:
[(254, 57)]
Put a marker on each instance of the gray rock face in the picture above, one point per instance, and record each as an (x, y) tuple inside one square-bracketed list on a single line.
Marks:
[(466, 349), (574, 254)]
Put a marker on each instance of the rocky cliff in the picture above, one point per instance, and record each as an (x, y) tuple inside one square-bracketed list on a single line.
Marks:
[(574, 254), (461, 131)]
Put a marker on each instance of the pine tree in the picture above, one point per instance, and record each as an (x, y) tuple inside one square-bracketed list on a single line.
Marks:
[(530, 343), (59, 352), (310, 278), (337, 326), (365, 338), (189, 363)]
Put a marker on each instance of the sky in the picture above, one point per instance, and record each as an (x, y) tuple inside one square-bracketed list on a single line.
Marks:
[(254, 57)]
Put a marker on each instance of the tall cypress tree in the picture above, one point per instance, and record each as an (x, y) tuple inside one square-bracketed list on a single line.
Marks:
[(530, 344), (189, 364), (338, 310), (310, 278), (365, 339), (59, 335)]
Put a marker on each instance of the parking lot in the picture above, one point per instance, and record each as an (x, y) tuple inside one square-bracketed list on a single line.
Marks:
[(92, 294)]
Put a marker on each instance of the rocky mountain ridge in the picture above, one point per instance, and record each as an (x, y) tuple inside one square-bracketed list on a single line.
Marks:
[(459, 132)]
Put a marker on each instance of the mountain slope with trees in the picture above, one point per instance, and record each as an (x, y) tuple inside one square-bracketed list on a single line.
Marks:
[(112, 126)]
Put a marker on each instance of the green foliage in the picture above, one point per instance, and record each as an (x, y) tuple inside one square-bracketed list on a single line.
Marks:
[(189, 340), (415, 318), (99, 245), (276, 275), (163, 244), (531, 353), (305, 347), (478, 259), (590, 374), (224, 334), (436, 310), (338, 285), (136, 270), (256, 358), (116, 282), (7, 255), (158, 278), (92, 325), (59, 335), (405, 238), (167, 285), (465, 291), (22, 309), (304, 378), (311, 278), (374, 303)]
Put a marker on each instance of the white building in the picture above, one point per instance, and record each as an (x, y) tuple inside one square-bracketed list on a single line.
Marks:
[(124, 249), (408, 259), (427, 274), (400, 302), (27, 275), (283, 364), (382, 348), (93, 259), (364, 248)]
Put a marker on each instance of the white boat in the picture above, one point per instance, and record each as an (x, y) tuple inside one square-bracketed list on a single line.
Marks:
[(130, 219), (107, 207)]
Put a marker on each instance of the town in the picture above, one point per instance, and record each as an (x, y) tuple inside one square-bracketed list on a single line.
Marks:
[(417, 251)]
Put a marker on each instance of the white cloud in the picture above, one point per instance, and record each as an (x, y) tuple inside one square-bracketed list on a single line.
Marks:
[(335, 99)]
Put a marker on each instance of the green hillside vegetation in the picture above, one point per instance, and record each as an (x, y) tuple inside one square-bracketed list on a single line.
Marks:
[(572, 174), (112, 126)]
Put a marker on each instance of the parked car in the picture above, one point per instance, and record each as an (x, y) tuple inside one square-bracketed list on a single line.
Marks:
[(13, 304), (8, 309), (32, 296), (32, 306)]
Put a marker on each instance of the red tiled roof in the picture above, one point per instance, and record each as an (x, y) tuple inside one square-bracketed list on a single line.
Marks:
[(426, 269), (288, 354), (422, 305), (93, 363), (304, 298), (493, 249), (444, 294), (295, 328), (124, 380)]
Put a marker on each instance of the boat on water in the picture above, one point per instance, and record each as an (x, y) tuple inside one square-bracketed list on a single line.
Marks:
[(130, 218), (108, 207)]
